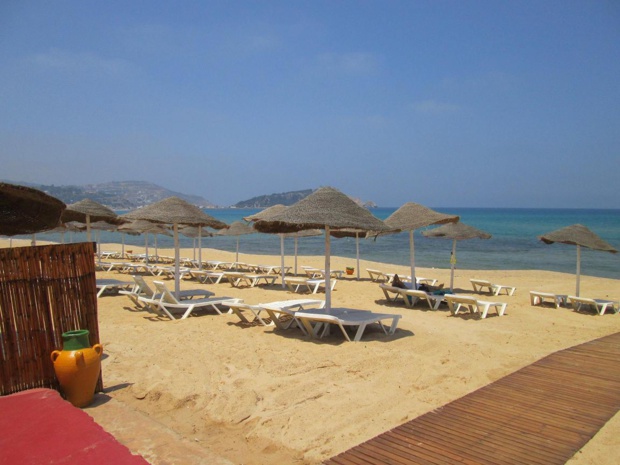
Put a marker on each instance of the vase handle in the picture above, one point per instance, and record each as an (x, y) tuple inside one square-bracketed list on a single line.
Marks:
[(98, 348), (54, 355)]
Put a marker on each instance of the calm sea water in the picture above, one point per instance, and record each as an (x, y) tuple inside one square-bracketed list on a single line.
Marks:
[(514, 245)]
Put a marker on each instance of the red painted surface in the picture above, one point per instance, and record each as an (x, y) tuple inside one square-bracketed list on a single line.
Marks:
[(39, 427)]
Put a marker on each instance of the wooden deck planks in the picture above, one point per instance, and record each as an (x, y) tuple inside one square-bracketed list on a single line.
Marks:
[(542, 414)]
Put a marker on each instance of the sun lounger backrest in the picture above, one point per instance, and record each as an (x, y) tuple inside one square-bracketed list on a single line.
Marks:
[(143, 287), (166, 295)]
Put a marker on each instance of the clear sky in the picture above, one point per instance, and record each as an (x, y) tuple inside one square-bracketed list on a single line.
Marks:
[(445, 103)]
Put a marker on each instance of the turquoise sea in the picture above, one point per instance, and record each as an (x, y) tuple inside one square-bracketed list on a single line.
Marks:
[(514, 245)]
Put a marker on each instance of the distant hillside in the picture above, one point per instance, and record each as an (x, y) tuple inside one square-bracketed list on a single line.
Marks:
[(123, 195), (264, 201), (287, 198)]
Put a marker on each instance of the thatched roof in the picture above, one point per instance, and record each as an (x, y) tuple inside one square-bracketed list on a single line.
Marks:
[(412, 216), (79, 210), (174, 210), (192, 231), (324, 207), (459, 231), (237, 228), (266, 213), (143, 226), (24, 210), (577, 234)]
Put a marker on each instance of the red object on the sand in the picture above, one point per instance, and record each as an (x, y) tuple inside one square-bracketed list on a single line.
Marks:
[(39, 427)]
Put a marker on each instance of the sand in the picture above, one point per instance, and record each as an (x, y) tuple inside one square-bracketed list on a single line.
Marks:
[(257, 396)]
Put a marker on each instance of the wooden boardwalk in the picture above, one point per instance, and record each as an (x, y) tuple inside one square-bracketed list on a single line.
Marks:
[(542, 414)]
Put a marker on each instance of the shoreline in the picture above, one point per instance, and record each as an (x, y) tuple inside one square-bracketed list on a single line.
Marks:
[(259, 396)]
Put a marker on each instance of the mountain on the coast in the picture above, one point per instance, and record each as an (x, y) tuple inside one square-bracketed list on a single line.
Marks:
[(287, 198), (120, 195), (264, 201)]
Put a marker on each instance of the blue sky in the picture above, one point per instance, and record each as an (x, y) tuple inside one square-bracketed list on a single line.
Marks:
[(444, 103)]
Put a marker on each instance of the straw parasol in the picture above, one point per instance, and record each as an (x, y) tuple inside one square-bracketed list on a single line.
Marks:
[(297, 235), (580, 236), (237, 228), (266, 214), (87, 211), (175, 211), (457, 232), (350, 233), (144, 227), (196, 232), (412, 216), (24, 210), (326, 208)]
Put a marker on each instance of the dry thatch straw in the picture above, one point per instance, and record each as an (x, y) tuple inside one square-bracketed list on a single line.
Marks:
[(413, 216), (456, 231), (266, 213), (324, 207), (577, 234), (89, 210), (174, 210), (237, 229), (24, 210)]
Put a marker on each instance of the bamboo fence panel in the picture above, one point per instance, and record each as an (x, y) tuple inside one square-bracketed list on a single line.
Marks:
[(44, 292)]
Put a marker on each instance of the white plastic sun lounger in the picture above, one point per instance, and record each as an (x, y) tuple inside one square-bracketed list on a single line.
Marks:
[(111, 285), (480, 285), (342, 317), (142, 294), (250, 279), (282, 313), (481, 307), (276, 311), (378, 276), (169, 304), (600, 305), (537, 298), (411, 296), (298, 284)]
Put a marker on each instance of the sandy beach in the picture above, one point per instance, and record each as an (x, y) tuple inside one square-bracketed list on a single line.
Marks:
[(255, 395)]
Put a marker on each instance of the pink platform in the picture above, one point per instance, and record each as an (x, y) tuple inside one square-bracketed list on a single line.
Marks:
[(38, 426)]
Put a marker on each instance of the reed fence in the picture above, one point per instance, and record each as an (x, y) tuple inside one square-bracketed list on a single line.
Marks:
[(44, 292)]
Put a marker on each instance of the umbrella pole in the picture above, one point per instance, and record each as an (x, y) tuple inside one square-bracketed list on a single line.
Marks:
[(199, 247), (146, 248), (88, 228), (156, 251), (177, 281), (414, 284), (282, 258), (122, 246), (237, 256), (357, 250), (328, 273), (295, 255), (98, 236), (452, 264), (33, 241), (578, 269)]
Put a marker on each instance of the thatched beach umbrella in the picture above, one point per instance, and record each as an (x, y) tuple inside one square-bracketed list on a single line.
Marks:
[(297, 235), (196, 232), (264, 215), (87, 211), (237, 228), (175, 211), (457, 232), (356, 234), (579, 236), (144, 227), (24, 210), (326, 208), (412, 216)]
